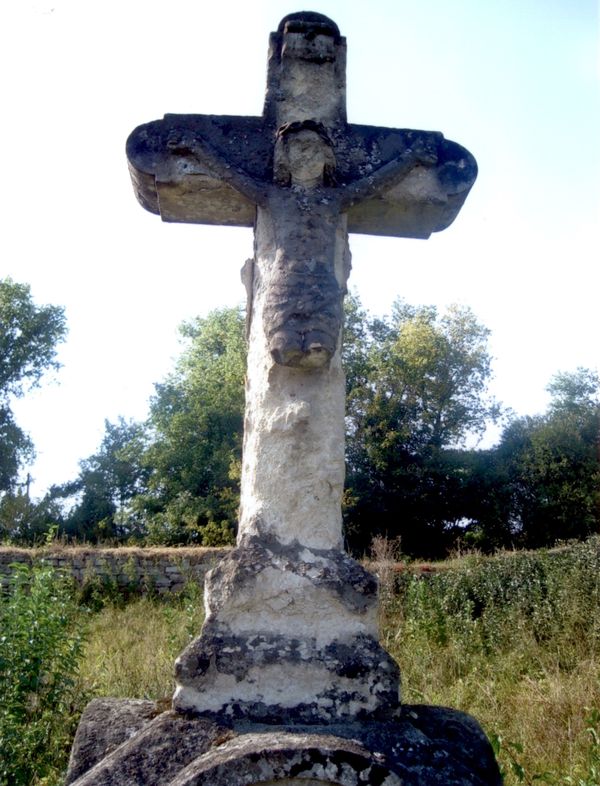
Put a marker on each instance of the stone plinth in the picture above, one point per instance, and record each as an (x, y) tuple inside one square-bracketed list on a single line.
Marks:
[(290, 636), (424, 745)]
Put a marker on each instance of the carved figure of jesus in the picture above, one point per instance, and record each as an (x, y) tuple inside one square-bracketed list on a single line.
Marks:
[(302, 314)]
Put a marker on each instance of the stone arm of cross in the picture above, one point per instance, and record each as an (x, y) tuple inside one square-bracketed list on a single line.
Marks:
[(390, 174), (216, 165)]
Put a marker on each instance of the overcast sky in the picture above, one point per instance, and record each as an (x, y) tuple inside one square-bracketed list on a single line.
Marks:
[(517, 82)]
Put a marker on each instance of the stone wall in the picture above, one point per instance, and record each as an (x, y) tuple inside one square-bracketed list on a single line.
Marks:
[(159, 570)]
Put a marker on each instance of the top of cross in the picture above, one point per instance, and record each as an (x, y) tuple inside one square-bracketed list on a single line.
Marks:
[(188, 168), (309, 23)]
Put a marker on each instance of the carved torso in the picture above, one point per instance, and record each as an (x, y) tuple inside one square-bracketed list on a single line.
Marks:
[(303, 311)]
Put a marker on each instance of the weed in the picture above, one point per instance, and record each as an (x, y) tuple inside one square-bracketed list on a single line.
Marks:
[(132, 647), (514, 640), (40, 650)]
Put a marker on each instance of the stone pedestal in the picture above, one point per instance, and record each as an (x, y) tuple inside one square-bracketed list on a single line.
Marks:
[(290, 637), (118, 743)]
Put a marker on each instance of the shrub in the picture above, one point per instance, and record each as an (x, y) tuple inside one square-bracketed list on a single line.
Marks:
[(40, 649), (515, 641)]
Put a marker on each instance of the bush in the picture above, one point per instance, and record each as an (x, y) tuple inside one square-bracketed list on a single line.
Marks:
[(555, 596), (515, 641), (40, 650)]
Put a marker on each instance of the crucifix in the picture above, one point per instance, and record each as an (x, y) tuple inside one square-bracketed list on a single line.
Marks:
[(287, 682), (291, 628)]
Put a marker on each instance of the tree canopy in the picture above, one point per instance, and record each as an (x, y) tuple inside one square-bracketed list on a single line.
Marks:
[(196, 424), (29, 335), (548, 466), (417, 388), (417, 398), (108, 481), (175, 478)]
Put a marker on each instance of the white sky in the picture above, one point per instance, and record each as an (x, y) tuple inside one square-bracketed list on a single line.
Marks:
[(517, 82)]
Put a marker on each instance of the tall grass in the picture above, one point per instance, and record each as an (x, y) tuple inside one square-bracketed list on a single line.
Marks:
[(131, 648), (515, 641)]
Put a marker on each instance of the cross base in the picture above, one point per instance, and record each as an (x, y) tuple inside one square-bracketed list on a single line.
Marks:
[(290, 636), (126, 742)]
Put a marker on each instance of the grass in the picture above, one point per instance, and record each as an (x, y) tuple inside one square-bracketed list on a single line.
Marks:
[(131, 648), (514, 640)]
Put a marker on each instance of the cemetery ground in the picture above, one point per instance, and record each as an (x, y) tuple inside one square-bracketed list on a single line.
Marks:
[(513, 639)]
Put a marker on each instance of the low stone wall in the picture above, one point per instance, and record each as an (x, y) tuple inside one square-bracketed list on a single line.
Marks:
[(159, 570)]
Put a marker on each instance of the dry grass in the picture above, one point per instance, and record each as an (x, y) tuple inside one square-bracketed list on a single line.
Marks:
[(130, 650), (58, 548), (516, 643), (513, 641)]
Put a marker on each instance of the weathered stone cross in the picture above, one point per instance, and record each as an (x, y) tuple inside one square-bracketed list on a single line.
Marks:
[(291, 631)]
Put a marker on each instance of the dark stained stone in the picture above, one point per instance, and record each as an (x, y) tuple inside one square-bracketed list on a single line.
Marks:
[(424, 746)]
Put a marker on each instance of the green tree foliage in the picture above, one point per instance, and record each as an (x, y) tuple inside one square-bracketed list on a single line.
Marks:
[(547, 466), (102, 496), (175, 478), (27, 522), (417, 388), (15, 449), (28, 338), (196, 427)]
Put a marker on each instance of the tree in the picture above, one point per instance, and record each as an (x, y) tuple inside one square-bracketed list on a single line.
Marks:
[(416, 385), (15, 449), (109, 481), (28, 522), (417, 389), (29, 335), (175, 478), (549, 464), (196, 429)]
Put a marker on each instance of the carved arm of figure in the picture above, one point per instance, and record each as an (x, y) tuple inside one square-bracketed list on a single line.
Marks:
[(390, 174), (217, 166)]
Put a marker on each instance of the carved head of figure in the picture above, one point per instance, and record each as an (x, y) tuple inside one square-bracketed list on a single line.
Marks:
[(303, 155)]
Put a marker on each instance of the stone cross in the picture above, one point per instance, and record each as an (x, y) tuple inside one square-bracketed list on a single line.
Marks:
[(290, 631), (287, 682)]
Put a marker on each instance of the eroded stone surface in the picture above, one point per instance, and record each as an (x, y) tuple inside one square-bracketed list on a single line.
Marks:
[(425, 745), (154, 755), (283, 757), (290, 634), (106, 724), (172, 181), (306, 74), (172, 161), (293, 459)]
